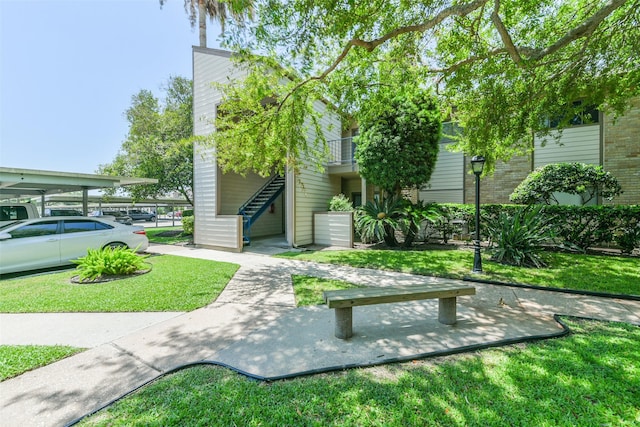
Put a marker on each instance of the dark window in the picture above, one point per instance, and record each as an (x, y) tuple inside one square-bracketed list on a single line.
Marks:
[(38, 229), (10, 213), (583, 116), (63, 212), (78, 226)]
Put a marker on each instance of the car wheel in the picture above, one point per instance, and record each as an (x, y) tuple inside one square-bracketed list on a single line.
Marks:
[(114, 245)]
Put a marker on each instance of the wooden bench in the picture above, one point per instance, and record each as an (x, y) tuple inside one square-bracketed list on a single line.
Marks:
[(343, 301)]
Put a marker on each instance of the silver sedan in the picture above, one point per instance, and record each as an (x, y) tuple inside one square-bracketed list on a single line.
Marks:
[(55, 241)]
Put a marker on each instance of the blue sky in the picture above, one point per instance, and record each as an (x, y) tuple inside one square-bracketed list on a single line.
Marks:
[(68, 70)]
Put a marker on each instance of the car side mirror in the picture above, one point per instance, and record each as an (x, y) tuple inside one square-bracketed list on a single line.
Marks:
[(5, 236)]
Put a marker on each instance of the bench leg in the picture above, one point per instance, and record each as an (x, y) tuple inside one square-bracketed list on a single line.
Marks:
[(447, 310), (344, 320)]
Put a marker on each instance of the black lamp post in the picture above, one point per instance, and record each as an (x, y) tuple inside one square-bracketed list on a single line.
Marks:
[(477, 164)]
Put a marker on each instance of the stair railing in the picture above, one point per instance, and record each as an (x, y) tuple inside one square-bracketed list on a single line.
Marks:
[(241, 211)]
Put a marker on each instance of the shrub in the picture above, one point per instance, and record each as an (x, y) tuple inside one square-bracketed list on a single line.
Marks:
[(574, 227), (581, 227), (519, 238), (627, 230), (413, 215), (628, 238), (447, 213), (188, 224), (187, 212), (108, 261), (340, 203), (581, 179), (378, 220)]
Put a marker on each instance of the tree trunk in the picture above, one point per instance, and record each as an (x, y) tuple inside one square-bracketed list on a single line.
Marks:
[(390, 236), (412, 232), (202, 23)]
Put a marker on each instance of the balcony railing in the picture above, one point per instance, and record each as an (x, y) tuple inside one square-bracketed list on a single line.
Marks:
[(341, 152)]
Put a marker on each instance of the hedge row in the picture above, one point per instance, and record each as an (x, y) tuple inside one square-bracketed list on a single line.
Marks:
[(577, 227)]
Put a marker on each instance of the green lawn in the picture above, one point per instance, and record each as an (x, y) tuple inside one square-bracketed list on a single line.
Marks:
[(167, 235), (17, 359), (612, 274), (308, 289), (174, 284), (589, 378)]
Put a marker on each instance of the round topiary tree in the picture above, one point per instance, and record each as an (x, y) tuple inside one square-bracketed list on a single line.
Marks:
[(587, 181), (398, 144)]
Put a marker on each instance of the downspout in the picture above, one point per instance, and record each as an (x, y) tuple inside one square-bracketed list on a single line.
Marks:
[(602, 158), (363, 191), (290, 211)]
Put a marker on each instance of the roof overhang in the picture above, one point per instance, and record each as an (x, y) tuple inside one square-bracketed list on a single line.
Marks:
[(30, 182), (54, 199)]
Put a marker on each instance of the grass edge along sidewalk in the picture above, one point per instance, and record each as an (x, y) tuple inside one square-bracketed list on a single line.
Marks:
[(589, 377), (593, 273)]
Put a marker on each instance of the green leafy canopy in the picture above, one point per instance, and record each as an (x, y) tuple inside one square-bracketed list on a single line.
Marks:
[(159, 143), (266, 126), (499, 68)]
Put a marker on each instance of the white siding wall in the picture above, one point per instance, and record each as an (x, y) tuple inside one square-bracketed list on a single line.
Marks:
[(313, 189), (447, 181), (223, 231), (577, 144), (209, 66), (212, 199), (333, 229)]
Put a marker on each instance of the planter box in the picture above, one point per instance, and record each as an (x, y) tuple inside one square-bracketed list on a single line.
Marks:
[(333, 229)]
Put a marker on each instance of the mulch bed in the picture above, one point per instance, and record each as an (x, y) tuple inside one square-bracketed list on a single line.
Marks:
[(169, 233), (104, 279)]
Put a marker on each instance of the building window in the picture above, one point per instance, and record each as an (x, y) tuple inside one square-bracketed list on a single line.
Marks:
[(583, 116)]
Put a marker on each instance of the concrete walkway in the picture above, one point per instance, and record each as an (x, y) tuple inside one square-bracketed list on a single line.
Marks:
[(255, 327)]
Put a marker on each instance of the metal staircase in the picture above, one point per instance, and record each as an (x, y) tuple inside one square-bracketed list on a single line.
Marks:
[(258, 204)]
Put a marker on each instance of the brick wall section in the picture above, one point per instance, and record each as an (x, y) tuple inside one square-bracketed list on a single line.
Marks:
[(621, 157), (498, 187), (622, 153), (410, 194)]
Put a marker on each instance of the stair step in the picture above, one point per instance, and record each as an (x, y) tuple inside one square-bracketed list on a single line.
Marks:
[(259, 203)]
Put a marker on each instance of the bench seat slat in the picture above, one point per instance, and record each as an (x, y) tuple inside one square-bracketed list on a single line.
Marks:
[(367, 296)]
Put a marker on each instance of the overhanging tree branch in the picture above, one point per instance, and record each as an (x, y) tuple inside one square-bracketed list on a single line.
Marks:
[(457, 10), (585, 29), (504, 34)]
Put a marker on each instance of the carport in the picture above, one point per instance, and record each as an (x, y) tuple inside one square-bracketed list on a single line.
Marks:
[(27, 183)]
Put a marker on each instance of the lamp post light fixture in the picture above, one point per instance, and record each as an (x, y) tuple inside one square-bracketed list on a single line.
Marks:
[(477, 164)]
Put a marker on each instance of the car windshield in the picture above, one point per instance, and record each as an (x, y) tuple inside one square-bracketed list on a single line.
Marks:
[(12, 223)]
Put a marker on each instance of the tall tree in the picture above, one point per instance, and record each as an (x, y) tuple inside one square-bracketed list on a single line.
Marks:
[(500, 66), (159, 143), (198, 10)]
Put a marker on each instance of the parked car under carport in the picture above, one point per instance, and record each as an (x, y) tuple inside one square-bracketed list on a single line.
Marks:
[(55, 241)]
